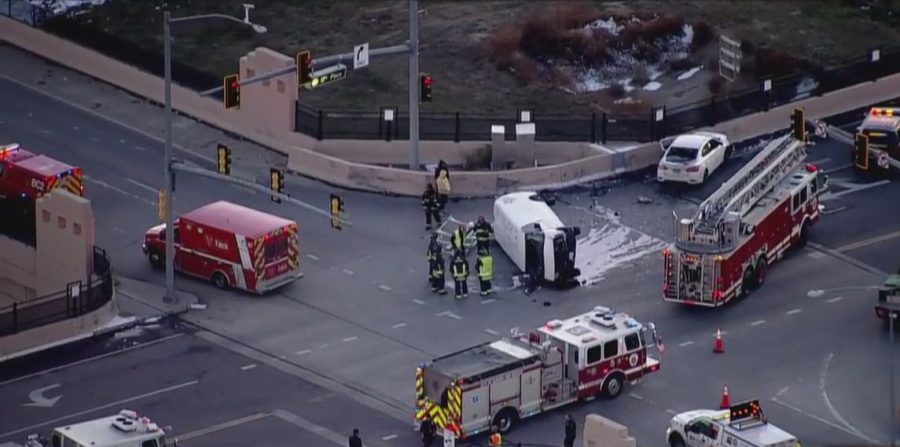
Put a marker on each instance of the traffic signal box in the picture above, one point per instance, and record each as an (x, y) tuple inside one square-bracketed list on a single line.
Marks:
[(337, 207), (304, 67), (223, 159), (232, 93), (276, 183), (425, 87), (861, 151), (798, 124)]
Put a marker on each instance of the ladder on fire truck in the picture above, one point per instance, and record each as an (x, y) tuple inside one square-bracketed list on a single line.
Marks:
[(740, 193)]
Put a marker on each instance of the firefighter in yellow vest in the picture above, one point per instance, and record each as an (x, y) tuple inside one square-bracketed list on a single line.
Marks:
[(458, 239), (495, 440), (485, 267)]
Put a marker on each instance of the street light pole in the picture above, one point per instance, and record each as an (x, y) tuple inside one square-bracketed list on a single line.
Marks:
[(169, 181), (414, 85), (891, 352)]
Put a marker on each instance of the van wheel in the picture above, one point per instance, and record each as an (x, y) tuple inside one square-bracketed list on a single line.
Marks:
[(220, 280), (505, 419), (676, 440), (614, 385), (156, 259), (760, 273), (747, 282)]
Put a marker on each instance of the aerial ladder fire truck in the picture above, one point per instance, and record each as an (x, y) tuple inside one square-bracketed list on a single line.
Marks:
[(767, 207)]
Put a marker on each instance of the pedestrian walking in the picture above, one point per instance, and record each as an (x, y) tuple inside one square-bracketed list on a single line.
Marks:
[(570, 432), (483, 233), (355, 440), (438, 281), (431, 206), (495, 440), (428, 431), (458, 239), (485, 268), (460, 275), (442, 181)]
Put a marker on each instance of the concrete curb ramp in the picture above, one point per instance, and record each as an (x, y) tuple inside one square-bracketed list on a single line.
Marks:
[(304, 160)]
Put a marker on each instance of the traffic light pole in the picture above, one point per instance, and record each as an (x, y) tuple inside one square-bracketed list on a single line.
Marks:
[(414, 85), (169, 177)]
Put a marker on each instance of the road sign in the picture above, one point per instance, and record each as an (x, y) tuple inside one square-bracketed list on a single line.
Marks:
[(449, 438), (883, 160), (328, 75), (361, 56), (821, 129)]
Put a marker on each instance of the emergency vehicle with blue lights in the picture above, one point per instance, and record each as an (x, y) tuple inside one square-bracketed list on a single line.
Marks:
[(27, 175), (751, 221), (565, 361)]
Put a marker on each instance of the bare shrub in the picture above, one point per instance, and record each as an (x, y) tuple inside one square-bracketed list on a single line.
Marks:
[(703, 36), (616, 91), (503, 46), (525, 69), (640, 76)]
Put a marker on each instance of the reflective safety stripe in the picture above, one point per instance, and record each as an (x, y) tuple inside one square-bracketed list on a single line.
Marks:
[(293, 247), (241, 242), (454, 408), (238, 272), (486, 269)]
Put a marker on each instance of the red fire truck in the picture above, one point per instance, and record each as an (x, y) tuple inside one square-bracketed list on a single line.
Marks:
[(565, 361), (748, 223), (232, 246), (28, 175)]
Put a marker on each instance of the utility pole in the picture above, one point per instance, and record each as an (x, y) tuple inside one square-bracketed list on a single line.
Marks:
[(170, 183), (892, 353), (413, 85)]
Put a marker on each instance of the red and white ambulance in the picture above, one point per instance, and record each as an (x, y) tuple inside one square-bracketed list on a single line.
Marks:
[(232, 246)]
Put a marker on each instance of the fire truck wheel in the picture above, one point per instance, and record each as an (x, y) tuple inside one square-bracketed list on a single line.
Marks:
[(613, 386), (220, 280), (156, 259), (804, 235), (760, 272), (676, 440), (505, 419), (747, 282)]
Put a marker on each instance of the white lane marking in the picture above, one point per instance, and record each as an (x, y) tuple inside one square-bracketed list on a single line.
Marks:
[(828, 211), (384, 287), (492, 332), (636, 396), (794, 311), (821, 419), (74, 127), (219, 427), (135, 129), (100, 407), (312, 256), (670, 411), (868, 242), (95, 139), (91, 359), (347, 272), (418, 301), (398, 325), (248, 367), (449, 314), (122, 140), (758, 322), (687, 343), (834, 300), (488, 301), (119, 190), (831, 409), (338, 439), (388, 437), (303, 352), (820, 161), (46, 132), (349, 339), (816, 255), (143, 186), (139, 148)]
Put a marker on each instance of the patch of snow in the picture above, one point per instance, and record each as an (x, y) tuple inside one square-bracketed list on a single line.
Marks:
[(688, 74), (128, 333), (652, 86), (611, 246), (61, 6), (805, 88), (626, 100), (609, 25)]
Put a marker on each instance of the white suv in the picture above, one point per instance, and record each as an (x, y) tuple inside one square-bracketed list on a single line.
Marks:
[(692, 158)]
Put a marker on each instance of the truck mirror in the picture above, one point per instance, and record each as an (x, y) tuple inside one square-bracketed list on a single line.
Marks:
[(577, 231)]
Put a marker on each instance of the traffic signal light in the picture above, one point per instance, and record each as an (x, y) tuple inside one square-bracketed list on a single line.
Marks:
[(798, 124), (304, 67), (337, 207), (425, 87), (161, 205), (232, 97), (861, 151), (276, 183), (223, 159)]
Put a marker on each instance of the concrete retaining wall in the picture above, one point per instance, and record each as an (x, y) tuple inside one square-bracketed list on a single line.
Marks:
[(84, 325)]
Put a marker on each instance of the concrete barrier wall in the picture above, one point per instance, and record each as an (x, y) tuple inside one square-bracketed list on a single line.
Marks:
[(17, 269), (56, 332), (311, 158), (602, 432)]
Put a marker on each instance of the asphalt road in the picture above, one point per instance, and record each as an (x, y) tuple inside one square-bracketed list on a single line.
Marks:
[(208, 395), (363, 315)]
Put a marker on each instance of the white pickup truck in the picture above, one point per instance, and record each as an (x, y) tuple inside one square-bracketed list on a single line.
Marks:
[(742, 425)]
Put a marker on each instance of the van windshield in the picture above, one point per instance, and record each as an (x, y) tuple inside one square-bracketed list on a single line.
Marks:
[(681, 154)]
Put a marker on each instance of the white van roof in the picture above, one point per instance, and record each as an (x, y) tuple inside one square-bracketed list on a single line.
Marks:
[(519, 208)]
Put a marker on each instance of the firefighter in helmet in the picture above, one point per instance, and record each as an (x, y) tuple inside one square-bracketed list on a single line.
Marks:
[(434, 249), (495, 440), (436, 272), (483, 233), (485, 268), (460, 268), (458, 239), (431, 206)]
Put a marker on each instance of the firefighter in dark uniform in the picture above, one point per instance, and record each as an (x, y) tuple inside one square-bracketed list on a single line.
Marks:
[(495, 440), (428, 431), (431, 206), (571, 430), (485, 268), (434, 249), (438, 281), (458, 239), (483, 233), (460, 275)]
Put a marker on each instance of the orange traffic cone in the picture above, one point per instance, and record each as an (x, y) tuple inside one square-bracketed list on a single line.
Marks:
[(726, 401), (718, 346)]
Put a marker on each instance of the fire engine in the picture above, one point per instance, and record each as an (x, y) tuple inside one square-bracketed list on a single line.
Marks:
[(882, 130), (741, 425), (564, 361), (126, 429), (28, 175), (748, 223), (232, 246)]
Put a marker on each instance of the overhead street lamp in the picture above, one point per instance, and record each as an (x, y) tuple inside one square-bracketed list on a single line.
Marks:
[(168, 21)]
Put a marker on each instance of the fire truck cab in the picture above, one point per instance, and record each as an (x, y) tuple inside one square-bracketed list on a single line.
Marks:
[(125, 429), (565, 361), (28, 175), (882, 127), (742, 425)]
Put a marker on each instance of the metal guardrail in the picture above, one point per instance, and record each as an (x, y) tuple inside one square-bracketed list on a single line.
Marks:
[(59, 306)]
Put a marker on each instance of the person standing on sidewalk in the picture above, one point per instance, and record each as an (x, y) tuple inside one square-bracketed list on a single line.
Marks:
[(460, 275), (485, 268), (438, 281), (355, 440), (483, 233), (431, 206), (570, 432), (442, 181), (428, 431)]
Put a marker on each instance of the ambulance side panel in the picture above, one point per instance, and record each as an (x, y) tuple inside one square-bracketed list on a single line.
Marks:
[(476, 415), (531, 390), (505, 391), (509, 235)]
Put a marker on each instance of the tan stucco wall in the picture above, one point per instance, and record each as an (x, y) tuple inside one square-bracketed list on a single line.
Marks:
[(56, 332)]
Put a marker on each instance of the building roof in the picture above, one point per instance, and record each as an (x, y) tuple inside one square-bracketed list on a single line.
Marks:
[(237, 219), (600, 324), (485, 359), (105, 431), (520, 208), (44, 165)]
